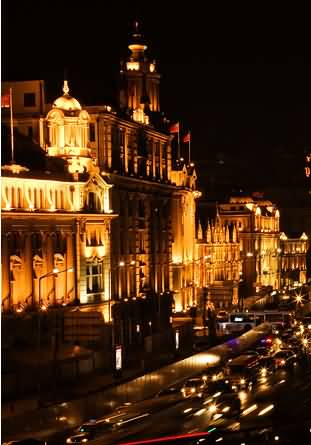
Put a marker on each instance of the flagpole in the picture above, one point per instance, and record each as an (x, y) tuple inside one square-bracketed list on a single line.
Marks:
[(178, 142), (11, 119), (189, 147)]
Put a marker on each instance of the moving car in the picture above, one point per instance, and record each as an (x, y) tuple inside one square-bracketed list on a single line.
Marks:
[(170, 391), (90, 431), (284, 358), (193, 386), (218, 387), (213, 373), (226, 405)]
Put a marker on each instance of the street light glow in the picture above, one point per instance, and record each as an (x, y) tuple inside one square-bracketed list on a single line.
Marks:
[(298, 299)]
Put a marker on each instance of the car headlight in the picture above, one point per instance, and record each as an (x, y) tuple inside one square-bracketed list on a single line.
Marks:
[(242, 381), (213, 408), (214, 377), (68, 440), (264, 372), (193, 390)]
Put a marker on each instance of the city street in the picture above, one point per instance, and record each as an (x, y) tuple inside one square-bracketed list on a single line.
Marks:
[(70, 414), (285, 394)]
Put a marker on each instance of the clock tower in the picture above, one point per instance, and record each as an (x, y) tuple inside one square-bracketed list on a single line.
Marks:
[(139, 79)]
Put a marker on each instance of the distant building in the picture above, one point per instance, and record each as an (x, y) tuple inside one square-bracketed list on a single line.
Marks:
[(29, 104), (293, 259), (257, 221), (218, 265)]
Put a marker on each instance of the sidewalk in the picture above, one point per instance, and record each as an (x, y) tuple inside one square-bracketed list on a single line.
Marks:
[(82, 387)]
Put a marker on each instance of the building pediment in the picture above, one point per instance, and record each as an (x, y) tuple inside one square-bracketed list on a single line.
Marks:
[(96, 182)]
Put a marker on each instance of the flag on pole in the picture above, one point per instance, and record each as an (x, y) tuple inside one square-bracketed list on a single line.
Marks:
[(174, 128), (5, 101), (187, 137)]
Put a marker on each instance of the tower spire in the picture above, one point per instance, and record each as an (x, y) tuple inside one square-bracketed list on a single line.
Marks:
[(65, 86)]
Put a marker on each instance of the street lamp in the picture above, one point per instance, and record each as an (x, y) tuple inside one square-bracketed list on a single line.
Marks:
[(54, 273)]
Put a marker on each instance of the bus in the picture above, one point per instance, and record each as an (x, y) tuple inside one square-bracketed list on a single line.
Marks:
[(239, 322)]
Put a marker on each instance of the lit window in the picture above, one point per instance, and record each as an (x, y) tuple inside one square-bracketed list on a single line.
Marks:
[(94, 277)]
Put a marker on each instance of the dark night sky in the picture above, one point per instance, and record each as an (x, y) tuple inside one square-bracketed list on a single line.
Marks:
[(239, 77)]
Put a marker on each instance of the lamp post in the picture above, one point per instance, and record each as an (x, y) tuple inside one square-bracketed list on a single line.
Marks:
[(53, 273)]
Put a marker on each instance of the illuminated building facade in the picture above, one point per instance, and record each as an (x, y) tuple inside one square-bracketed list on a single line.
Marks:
[(126, 156), (293, 259), (56, 221), (257, 221), (218, 263), (153, 239)]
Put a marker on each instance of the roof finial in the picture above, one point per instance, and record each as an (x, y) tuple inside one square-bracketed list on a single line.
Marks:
[(66, 87)]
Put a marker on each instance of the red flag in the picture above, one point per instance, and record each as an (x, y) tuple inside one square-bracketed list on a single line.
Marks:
[(174, 128), (5, 101), (187, 137)]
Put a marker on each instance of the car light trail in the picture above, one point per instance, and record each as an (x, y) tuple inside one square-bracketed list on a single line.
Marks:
[(266, 410), (167, 438), (200, 412), (132, 418), (187, 410), (249, 410)]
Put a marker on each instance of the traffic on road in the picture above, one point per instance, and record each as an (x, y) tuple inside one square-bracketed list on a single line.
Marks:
[(232, 400)]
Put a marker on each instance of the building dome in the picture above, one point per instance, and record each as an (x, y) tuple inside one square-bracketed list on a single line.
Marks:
[(66, 102)]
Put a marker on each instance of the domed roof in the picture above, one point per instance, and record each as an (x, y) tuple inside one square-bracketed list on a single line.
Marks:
[(66, 102)]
